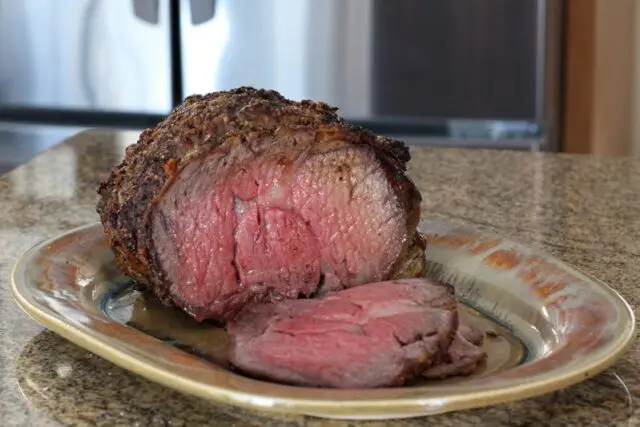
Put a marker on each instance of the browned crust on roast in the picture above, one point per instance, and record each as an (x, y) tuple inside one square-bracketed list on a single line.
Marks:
[(200, 124)]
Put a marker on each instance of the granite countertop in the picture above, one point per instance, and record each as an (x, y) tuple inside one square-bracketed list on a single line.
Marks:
[(583, 210)]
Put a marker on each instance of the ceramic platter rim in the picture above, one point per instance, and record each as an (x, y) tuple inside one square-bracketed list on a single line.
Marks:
[(344, 404)]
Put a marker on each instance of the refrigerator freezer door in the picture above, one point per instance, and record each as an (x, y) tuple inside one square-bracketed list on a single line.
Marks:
[(407, 59), (95, 55), (302, 48)]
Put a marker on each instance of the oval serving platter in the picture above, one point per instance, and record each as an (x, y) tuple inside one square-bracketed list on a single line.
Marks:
[(548, 326)]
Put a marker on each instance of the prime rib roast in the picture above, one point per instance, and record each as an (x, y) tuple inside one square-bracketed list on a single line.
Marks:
[(244, 196), (243, 201)]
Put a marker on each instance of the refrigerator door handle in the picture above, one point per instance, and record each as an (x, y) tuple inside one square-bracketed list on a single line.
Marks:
[(202, 11), (147, 10)]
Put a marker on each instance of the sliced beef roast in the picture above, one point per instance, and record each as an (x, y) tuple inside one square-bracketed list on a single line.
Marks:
[(463, 357), (244, 196), (372, 335)]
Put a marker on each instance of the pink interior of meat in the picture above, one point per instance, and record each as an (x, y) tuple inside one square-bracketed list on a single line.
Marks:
[(228, 229), (365, 335)]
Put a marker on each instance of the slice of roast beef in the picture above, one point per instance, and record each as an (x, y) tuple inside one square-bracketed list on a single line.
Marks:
[(374, 335), (463, 357), (244, 196)]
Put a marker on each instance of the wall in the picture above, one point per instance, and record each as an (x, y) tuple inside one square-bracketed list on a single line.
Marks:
[(602, 77), (635, 107)]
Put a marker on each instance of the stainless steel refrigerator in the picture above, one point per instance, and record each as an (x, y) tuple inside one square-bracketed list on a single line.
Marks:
[(446, 72)]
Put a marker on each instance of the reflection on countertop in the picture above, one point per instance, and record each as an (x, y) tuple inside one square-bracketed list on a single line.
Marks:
[(20, 142), (581, 209)]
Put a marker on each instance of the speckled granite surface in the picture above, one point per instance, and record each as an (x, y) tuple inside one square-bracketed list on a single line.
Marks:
[(584, 210)]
